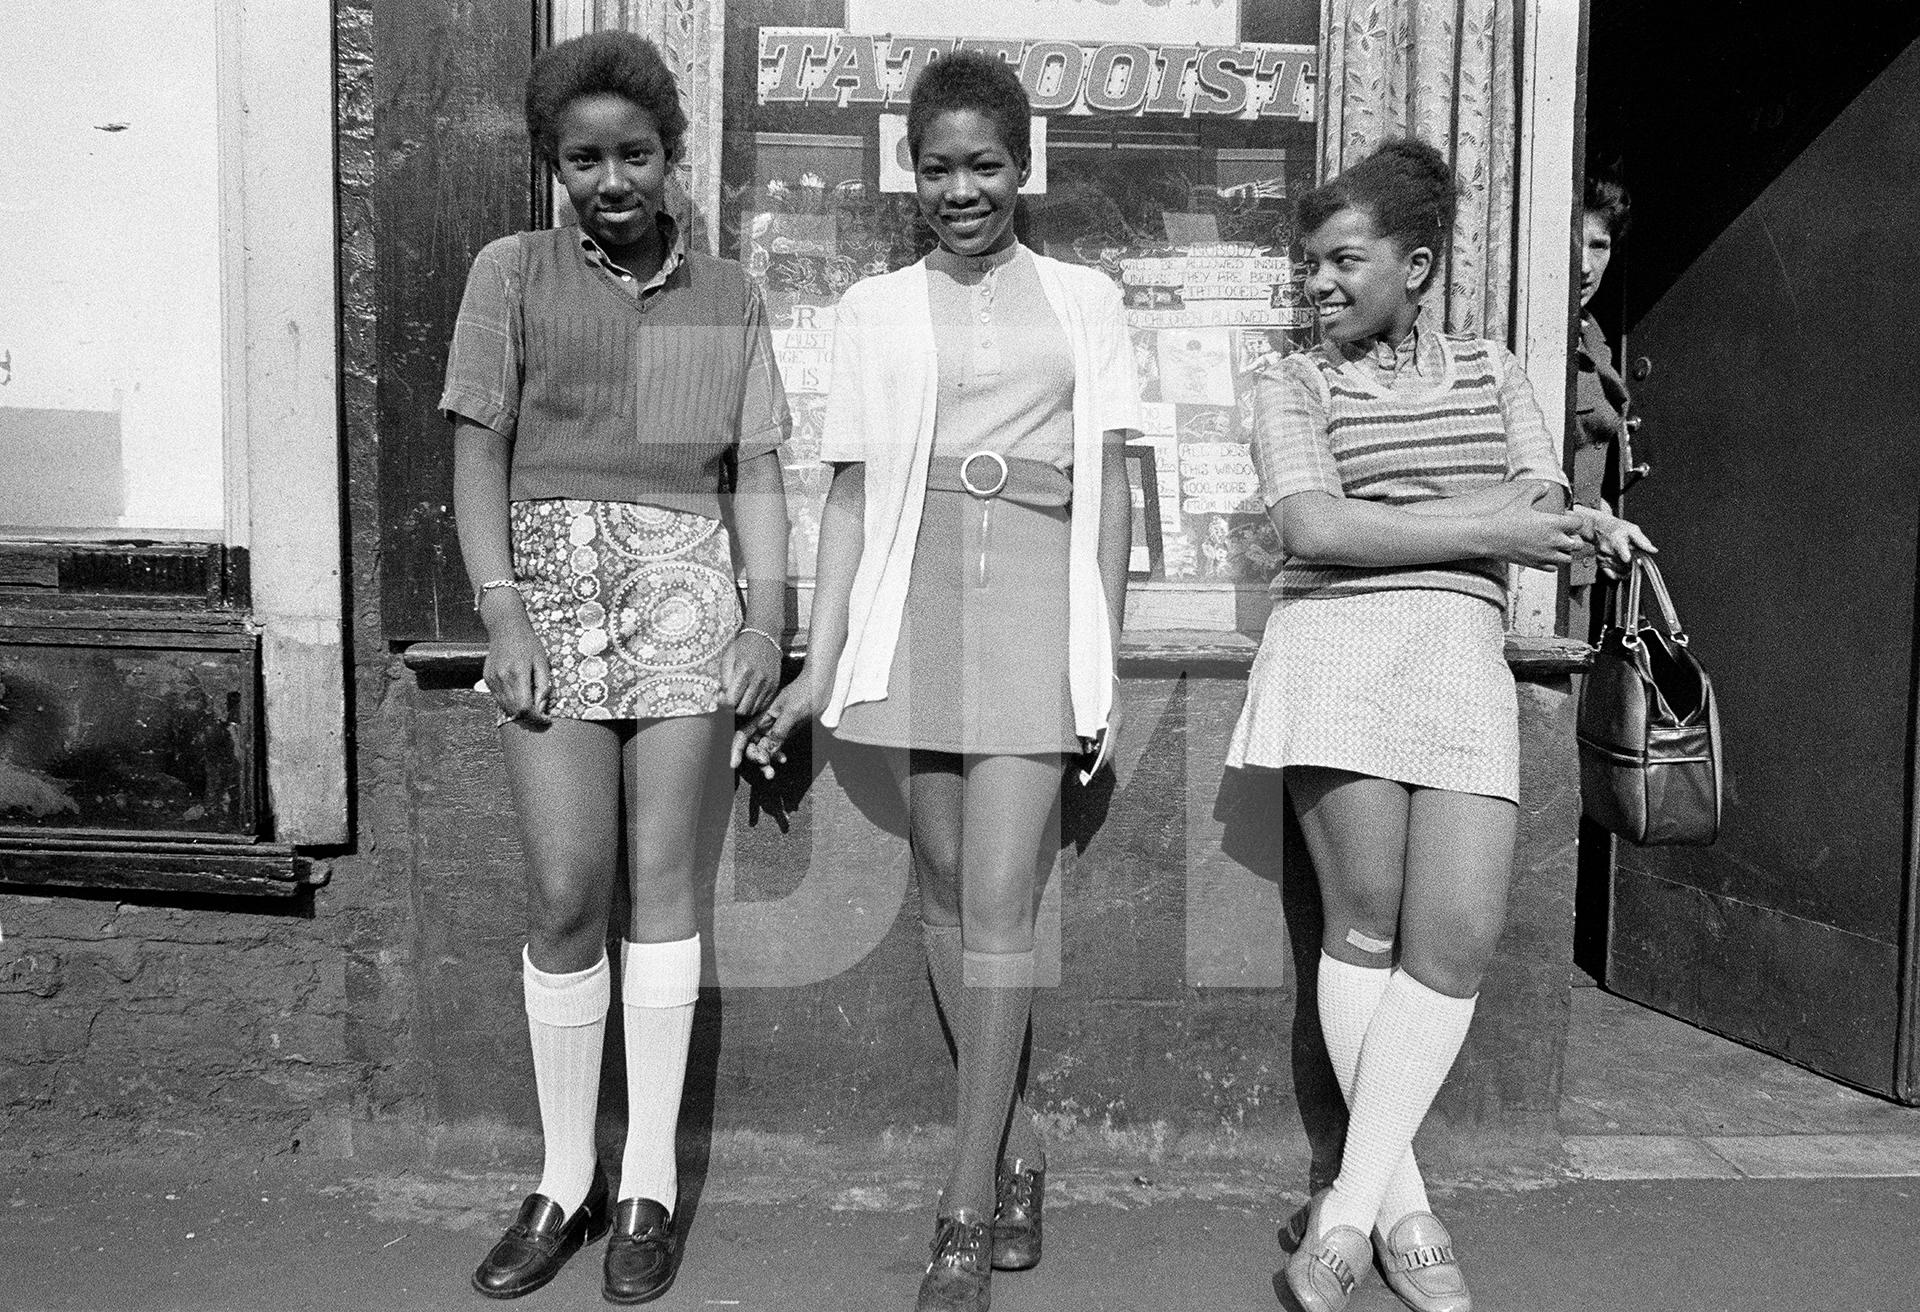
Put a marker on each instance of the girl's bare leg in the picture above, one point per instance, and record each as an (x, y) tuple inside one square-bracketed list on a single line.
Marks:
[(1459, 867), (565, 780), (1011, 819), (1459, 859), (1356, 829), (934, 790), (670, 766)]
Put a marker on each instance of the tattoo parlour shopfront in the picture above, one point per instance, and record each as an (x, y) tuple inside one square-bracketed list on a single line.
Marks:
[(348, 982)]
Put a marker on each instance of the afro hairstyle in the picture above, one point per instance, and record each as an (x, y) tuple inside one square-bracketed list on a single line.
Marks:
[(602, 64), (981, 82)]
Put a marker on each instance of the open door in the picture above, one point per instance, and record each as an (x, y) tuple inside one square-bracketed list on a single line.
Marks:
[(1783, 404)]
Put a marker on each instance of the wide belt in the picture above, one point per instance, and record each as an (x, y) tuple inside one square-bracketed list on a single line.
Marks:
[(989, 476)]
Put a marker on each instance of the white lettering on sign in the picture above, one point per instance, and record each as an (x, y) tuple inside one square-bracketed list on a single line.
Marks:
[(1218, 478), (1201, 270), (805, 360), (805, 357), (1224, 314), (1062, 75)]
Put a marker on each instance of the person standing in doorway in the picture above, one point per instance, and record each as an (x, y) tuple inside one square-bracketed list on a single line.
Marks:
[(1600, 395), (613, 394), (967, 606), (1404, 469)]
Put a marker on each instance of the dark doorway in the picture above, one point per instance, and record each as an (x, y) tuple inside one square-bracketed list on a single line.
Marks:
[(1764, 298)]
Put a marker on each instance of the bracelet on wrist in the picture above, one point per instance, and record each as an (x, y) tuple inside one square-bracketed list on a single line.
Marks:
[(480, 593), (778, 650)]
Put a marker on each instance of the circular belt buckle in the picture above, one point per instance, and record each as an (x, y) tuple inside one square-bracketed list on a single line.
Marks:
[(966, 474)]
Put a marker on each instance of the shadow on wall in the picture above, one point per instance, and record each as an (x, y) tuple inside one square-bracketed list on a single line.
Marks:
[(1251, 806)]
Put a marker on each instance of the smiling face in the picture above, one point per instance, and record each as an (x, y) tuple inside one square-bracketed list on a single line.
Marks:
[(967, 183), (1596, 248), (1361, 284), (610, 159)]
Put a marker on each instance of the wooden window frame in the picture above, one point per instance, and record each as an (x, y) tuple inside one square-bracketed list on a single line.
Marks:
[(273, 590)]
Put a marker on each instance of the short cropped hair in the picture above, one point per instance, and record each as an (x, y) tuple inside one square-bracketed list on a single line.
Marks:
[(1406, 187), (1607, 197), (981, 82), (602, 64)]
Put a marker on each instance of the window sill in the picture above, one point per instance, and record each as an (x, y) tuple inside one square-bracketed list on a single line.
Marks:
[(1147, 653), (64, 865)]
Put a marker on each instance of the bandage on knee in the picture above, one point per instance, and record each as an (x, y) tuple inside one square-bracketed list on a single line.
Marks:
[(1368, 943)]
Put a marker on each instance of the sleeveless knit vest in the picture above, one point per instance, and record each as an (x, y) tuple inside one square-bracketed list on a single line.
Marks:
[(1401, 447)]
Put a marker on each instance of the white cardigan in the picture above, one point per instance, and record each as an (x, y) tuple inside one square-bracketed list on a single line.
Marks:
[(880, 410)]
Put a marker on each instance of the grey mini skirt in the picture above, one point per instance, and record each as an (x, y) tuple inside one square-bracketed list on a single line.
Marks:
[(980, 667)]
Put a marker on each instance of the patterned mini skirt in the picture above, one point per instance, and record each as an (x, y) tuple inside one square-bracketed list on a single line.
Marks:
[(1409, 684), (633, 603)]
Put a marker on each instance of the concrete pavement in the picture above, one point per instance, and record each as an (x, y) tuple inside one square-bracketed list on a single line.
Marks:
[(320, 1238), (1692, 1175)]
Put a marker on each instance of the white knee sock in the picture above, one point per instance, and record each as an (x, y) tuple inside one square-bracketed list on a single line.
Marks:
[(1349, 995), (1410, 1046), (567, 1022), (659, 983)]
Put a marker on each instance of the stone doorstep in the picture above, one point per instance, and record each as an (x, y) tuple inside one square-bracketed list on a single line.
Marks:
[(1731, 1157)]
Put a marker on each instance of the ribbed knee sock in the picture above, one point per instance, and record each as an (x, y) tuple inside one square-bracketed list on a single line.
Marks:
[(996, 993), (659, 984), (1349, 995), (567, 1022), (1410, 1046), (943, 966)]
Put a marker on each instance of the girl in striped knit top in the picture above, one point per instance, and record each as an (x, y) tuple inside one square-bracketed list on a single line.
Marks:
[(1404, 469)]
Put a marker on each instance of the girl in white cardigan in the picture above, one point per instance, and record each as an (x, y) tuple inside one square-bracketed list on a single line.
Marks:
[(967, 603)]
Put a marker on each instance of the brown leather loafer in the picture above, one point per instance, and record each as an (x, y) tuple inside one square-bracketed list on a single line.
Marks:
[(1417, 1259), (960, 1276), (539, 1242), (1019, 1193), (640, 1263), (1324, 1270)]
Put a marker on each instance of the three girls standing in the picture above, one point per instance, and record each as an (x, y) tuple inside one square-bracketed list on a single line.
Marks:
[(609, 386)]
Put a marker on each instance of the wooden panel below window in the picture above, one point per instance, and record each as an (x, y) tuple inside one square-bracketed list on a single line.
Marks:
[(129, 734)]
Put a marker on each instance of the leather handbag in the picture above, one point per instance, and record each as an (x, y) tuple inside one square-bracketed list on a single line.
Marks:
[(1648, 727)]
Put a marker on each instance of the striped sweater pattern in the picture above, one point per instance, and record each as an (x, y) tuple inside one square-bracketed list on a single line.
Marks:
[(612, 397), (1397, 448)]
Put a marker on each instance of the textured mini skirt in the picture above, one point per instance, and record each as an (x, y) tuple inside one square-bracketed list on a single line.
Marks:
[(1409, 684), (633, 603), (980, 666)]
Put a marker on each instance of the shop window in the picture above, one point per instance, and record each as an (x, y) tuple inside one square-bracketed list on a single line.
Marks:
[(1166, 158), (171, 681), (110, 312)]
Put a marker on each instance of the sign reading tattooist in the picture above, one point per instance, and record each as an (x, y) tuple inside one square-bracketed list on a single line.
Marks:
[(1199, 22), (823, 65)]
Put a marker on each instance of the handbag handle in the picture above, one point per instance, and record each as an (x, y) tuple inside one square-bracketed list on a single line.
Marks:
[(1626, 615)]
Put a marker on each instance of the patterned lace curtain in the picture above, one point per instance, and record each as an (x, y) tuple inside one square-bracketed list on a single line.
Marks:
[(691, 35), (1446, 72)]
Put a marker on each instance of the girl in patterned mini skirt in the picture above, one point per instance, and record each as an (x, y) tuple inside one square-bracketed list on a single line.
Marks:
[(614, 396), (1404, 469)]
